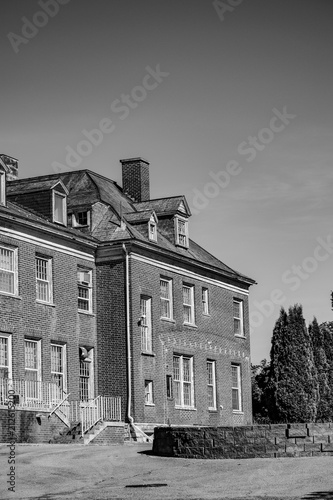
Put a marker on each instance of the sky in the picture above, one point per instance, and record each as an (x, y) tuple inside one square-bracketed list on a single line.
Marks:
[(229, 101)]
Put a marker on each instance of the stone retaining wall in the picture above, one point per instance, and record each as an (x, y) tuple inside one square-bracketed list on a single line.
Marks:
[(266, 441)]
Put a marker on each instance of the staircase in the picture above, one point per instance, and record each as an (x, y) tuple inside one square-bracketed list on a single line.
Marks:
[(141, 432)]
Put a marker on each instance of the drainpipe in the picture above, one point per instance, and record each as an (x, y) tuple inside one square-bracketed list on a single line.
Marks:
[(128, 331)]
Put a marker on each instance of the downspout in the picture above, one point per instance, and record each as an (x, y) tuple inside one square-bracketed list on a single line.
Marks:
[(128, 334)]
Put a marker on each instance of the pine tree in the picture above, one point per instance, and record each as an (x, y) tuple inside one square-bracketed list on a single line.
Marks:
[(317, 338), (293, 384), (327, 332), (260, 379)]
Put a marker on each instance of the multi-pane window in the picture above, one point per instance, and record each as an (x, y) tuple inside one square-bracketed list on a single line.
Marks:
[(2, 188), (204, 298), (188, 304), (86, 383), (166, 298), (5, 356), (59, 208), (81, 218), (181, 232), (236, 388), (152, 230), (238, 317), (149, 396), (145, 320), (211, 385), (32, 354), (8, 270), (84, 278), (44, 279), (58, 366), (183, 381)]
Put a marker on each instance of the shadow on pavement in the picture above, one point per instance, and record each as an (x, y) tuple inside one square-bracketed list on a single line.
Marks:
[(146, 452), (319, 495)]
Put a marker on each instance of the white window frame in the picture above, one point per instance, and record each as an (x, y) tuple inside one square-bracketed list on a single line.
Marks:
[(188, 306), (63, 373), (146, 324), (14, 271), (181, 230), (90, 387), (83, 284), (179, 382), (238, 332), (168, 300), (8, 366), (236, 389), (152, 230), (169, 390), (211, 383), (205, 300), (47, 281), (64, 207), (3, 188), (149, 393), (75, 218), (31, 391)]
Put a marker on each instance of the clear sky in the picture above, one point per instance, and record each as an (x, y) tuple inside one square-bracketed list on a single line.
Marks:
[(198, 90)]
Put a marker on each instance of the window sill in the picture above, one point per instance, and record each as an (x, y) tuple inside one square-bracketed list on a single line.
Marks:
[(168, 320), (190, 408), (87, 313), (147, 353), (51, 304), (212, 410), (240, 336), (4, 294), (237, 412), (150, 404), (191, 325), (206, 314)]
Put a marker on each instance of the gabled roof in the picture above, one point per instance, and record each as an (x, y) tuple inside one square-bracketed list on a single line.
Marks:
[(33, 184), (166, 206)]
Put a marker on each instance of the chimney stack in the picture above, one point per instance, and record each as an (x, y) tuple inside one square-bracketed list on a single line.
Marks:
[(135, 175), (12, 167)]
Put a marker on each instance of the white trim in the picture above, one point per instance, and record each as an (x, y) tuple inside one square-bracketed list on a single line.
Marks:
[(181, 380), (190, 305), (15, 271), (205, 300), (239, 387), (3, 188), (87, 286), (241, 318), (213, 364), (64, 363), (170, 290), (48, 280), (177, 232), (63, 197), (44, 244), (189, 274), (8, 336)]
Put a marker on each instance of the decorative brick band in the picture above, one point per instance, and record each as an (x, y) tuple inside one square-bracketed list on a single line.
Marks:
[(264, 441)]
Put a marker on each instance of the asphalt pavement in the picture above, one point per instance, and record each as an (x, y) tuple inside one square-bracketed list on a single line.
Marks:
[(132, 472)]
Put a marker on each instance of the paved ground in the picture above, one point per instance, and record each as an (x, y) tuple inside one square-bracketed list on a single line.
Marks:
[(131, 472)]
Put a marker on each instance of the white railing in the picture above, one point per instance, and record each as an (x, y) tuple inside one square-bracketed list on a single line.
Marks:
[(100, 408), (31, 393)]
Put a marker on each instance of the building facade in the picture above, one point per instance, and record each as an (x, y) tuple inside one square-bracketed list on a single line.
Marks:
[(103, 293)]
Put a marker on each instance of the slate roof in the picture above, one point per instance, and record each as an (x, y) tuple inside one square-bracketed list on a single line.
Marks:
[(163, 206)]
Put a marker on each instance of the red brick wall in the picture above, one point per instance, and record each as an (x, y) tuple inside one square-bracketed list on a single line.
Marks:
[(211, 339), (110, 435), (135, 178), (27, 428)]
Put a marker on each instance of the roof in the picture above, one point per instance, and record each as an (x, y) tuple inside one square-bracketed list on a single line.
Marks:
[(32, 185), (163, 206)]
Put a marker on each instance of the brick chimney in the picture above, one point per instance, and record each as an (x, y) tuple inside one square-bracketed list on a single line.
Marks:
[(12, 166), (135, 174)]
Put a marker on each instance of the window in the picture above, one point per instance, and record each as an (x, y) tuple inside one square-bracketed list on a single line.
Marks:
[(188, 304), (59, 208), (211, 385), (44, 279), (86, 374), (5, 356), (166, 298), (2, 188), (149, 397), (181, 232), (81, 218), (8, 270), (58, 367), (238, 317), (152, 230), (145, 322), (183, 381), (169, 386), (204, 298), (84, 278), (236, 388), (32, 351)]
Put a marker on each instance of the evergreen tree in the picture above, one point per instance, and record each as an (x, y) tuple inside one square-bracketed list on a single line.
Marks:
[(317, 338), (293, 384), (327, 332), (260, 403)]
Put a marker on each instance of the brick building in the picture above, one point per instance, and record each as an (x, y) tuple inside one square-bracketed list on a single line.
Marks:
[(103, 293)]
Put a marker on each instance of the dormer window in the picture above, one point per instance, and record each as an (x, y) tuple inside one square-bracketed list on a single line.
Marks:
[(59, 208), (81, 219), (2, 188), (181, 232), (152, 230)]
